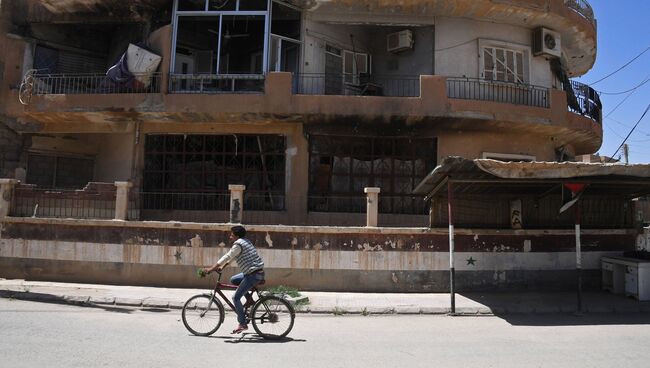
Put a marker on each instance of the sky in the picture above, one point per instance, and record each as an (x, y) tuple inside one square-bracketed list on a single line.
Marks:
[(623, 33)]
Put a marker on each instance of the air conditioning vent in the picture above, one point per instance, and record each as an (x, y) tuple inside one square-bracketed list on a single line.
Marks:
[(546, 43), (400, 41)]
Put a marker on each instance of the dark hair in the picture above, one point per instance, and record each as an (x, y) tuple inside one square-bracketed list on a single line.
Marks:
[(239, 231)]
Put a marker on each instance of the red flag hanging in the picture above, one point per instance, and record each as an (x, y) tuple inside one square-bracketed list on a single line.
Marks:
[(571, 193)]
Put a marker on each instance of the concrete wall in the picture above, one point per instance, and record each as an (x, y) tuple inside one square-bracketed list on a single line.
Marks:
[(323, 258)]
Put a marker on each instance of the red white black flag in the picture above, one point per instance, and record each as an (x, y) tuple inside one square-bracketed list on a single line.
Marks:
[(571, 193)]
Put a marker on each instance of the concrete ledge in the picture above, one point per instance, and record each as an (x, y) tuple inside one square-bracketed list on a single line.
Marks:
[(128, 302)]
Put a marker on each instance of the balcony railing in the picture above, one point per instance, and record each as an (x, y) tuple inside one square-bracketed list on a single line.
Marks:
[(586, 103), (96, 202), (583, 8), (486, 90), (216, 83), (363, 85), (84, 83)]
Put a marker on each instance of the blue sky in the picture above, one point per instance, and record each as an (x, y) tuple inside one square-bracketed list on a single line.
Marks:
[(623, 33)]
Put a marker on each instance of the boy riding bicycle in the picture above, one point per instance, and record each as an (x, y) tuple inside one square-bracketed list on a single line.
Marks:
[(251, 267)]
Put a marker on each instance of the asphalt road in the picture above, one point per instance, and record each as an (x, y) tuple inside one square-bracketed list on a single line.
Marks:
[(41, 334)]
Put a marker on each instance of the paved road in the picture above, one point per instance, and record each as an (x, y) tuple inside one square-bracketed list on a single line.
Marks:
[(54, 335)]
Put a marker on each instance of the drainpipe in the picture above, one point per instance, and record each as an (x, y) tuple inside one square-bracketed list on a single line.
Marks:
[(372, 206), (6, 196), (452, 281), (122, 200), (236, 202)]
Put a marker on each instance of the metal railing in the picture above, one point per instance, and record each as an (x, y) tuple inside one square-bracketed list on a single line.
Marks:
[(588, 102), (363, 85), (583, 8), (487, 90), (63, 204), (216, 83), (85, 83)]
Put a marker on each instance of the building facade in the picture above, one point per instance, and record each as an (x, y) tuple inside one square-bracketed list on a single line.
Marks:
[(305, 104)]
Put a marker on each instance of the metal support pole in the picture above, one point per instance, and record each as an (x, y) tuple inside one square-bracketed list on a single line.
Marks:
[(452, 281), (578, 256)]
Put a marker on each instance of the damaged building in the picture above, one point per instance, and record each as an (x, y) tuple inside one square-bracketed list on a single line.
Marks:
[(178, 117)]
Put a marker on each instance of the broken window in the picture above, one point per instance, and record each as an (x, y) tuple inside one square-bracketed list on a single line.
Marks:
[(206, 164), (341, 167), (60, 172), (503, 65)]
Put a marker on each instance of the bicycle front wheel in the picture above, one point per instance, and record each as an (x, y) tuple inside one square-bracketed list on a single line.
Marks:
[(272, 317), (202, 315)]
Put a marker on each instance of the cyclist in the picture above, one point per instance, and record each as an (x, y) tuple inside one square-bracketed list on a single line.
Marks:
[(252, 271)]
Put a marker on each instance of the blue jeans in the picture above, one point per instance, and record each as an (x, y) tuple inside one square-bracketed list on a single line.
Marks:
[(245, 282)]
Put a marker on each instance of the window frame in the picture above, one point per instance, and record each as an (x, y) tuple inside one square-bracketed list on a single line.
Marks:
[(507, 47)]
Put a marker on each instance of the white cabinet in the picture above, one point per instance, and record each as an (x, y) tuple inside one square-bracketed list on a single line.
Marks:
[(627, 275)]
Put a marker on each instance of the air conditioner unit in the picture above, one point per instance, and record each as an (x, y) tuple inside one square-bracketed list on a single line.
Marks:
[(546, 42), (400, 41)]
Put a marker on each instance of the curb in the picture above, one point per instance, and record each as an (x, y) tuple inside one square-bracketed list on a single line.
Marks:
[(159, 303)]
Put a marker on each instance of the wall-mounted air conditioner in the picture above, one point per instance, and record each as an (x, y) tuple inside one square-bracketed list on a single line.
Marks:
[(400, 41), (546, 42)]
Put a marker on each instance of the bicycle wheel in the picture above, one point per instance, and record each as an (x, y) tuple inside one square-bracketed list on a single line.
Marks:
[(272, 317), (202, 315)]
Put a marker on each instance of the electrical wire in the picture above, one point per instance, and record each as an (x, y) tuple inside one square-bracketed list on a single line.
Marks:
[(621, 68), (624, 92), (631, 131), (622, 102)]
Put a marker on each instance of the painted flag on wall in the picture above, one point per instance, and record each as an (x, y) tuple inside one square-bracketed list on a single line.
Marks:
[(571, 193)]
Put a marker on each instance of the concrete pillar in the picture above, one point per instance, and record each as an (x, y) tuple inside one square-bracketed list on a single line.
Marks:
[(372, 206), (122, 199), (6, 196), (236, 202)]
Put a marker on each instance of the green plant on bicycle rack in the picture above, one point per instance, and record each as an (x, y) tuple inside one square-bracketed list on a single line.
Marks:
[(200, 273)]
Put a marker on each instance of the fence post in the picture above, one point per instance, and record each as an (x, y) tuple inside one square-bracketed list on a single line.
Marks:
[(122, 199), (6, 196), (236, 202), (372, 206)]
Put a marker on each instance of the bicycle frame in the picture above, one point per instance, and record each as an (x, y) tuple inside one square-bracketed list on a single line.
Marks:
[(223, 286)]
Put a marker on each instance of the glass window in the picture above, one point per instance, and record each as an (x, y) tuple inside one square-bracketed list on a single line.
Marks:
[(285, 21), (251, 5), (222, 5), (503, 65), (191, 5)]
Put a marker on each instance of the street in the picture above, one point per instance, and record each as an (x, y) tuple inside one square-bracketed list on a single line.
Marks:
[(45, 334)]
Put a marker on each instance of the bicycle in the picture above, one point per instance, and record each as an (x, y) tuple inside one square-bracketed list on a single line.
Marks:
[(272, 316)]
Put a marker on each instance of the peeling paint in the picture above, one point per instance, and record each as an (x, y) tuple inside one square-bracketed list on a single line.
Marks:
[(294, 242), (394, 278), (527, 245), (195, 242), (268, 240), (476, 238), (318, 246)]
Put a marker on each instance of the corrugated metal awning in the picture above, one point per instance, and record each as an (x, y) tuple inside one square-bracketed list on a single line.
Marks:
[(483, 176)]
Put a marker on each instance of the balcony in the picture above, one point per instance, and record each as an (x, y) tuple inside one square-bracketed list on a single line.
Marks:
[(363, 85), (494, 91), (586, 102)]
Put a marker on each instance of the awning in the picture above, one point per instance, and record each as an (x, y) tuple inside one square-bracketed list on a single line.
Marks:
[(484, 176)]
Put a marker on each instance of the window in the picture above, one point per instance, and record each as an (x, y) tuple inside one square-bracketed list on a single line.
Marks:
[(501, 64), (354, 65), (204, 165), (60, 172), (341, 167)]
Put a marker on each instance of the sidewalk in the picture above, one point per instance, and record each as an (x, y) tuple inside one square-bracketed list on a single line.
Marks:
[(332, 302)]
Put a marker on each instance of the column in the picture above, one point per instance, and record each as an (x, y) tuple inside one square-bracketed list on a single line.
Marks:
[(6, 196), (372, 206), (122, 200), (236, 202)]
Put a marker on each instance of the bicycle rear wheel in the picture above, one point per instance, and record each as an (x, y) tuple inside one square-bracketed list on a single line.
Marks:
[(202, 315), (272, 317)]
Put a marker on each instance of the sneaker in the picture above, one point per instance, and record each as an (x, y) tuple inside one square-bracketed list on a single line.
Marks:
[(240, 329)]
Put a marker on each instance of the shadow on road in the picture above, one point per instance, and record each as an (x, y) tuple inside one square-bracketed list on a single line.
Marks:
[(561, 308), (55, 299), (251, 338)]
